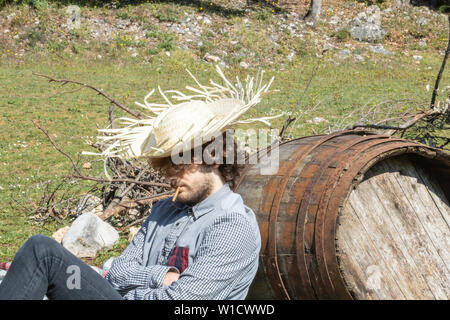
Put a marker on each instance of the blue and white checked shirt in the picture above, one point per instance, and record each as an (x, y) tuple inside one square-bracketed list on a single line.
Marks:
[(214, 245)]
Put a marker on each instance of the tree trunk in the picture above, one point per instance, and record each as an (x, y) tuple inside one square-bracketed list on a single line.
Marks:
[(314, 11)]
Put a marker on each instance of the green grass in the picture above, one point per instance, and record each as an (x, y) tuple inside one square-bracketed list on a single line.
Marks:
[(27, 158)]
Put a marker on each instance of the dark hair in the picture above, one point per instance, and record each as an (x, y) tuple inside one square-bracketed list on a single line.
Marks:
[(230, 170)]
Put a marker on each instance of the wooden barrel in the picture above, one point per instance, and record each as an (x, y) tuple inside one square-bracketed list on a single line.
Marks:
[(352, 215)]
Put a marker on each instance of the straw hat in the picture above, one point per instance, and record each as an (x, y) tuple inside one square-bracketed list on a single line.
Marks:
[(209, 111)]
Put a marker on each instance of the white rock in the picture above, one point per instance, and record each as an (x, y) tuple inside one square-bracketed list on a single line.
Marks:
[(319, 120), (359, 58), (335, 20), (291, 56), (210, 58), (343, 54), (417, 58), (380, 49), (243, 65), (89, 234)]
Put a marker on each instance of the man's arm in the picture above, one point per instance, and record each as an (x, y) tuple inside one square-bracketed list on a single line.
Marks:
[(226, 255), (128, 272)]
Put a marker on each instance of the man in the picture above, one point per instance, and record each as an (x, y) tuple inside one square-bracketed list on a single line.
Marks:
[(203, 245)]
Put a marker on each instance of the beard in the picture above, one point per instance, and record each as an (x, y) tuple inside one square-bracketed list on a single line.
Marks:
[(195, 194)]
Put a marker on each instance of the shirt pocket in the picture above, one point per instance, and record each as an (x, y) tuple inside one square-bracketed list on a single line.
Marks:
[(179, 258)]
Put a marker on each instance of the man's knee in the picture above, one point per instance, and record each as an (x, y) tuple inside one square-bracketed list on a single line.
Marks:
[(40, 244)]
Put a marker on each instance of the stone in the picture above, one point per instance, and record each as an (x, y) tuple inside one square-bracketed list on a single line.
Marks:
[(401, 4), (423, 43), (417, 58), (88, 235), (274, 38), (359, 58), (380, 49), (59, 234), (210, 58), (343, 54), (243, 65), (87, 165), (366, 26), (317, 120), (335, 20), (422, 21), (291, 56)]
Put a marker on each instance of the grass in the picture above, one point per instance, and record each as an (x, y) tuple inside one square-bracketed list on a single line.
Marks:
[(339, 89)]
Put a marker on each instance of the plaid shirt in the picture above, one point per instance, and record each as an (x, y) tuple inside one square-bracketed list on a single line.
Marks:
[(214, 245)]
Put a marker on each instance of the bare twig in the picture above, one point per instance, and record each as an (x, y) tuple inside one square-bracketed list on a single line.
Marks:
[(441, 71), (292, 119), (79, 175), (418, 116), (58, 148), (99, 91), (145, 183), (128, 204)]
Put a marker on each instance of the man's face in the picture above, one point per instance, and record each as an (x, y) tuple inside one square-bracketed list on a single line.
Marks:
[(195, 183)]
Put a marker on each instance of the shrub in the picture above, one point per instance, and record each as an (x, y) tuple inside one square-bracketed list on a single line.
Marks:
[(168, 14), (341, 34)]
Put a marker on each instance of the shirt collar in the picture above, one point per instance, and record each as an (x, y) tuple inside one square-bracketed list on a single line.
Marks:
[(212, 202), (207, 205)]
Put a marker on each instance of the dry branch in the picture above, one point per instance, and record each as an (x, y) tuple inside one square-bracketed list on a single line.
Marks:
[(79, 175), (441, 70), (129, 204), (99, 91)]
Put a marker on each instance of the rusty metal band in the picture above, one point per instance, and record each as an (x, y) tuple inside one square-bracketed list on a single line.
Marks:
[(272, 269), (257, 155), (335, 199), (309, 190)]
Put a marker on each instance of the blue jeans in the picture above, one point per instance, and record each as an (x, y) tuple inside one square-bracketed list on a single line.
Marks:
[(44, 267)]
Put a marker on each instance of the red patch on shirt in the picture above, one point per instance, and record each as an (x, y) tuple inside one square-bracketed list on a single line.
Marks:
[(179, 258)]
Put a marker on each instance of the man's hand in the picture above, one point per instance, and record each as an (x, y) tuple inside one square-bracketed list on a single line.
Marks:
[(170, 277)]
